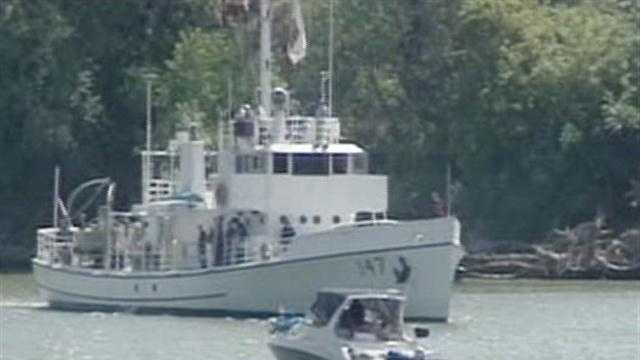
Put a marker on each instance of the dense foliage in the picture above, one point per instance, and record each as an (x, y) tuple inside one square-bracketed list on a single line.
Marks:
[(532, 103)]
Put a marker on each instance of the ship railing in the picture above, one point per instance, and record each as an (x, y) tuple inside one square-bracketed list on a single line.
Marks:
[(327, 130), (174, 256), (158, 189), (307, 129), (300, 129), (54, 246), (362, 223), (251, 250), (159, 169)]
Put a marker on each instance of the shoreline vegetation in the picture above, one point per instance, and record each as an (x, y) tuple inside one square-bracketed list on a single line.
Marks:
[(614, 258), (528, 109)]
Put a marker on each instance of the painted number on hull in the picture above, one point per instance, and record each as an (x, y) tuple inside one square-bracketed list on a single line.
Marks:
[(374, 266)]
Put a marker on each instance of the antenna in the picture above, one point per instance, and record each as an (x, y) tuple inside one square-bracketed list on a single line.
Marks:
[(330, 104), (56, 191), (149, 80), (448, 188), (229, 96), (324, 78), (146, 156)]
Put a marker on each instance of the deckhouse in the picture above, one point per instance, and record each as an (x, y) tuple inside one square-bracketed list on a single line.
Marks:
[(293, 169)]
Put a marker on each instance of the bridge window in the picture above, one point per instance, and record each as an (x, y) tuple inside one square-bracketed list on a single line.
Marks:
[(280, 163), (360, 164), (303, 219), (339, 163), (316, 219), (364, 216), (336, 219), (250, 164), (310, 164), (211, 164)]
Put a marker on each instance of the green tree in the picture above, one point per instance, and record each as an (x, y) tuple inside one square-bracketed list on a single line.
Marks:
[(197, 78)]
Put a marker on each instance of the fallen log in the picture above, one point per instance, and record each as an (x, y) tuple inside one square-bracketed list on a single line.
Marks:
[(614, 272), (479, 275), (511, 268), (587, 273), (484, 258)]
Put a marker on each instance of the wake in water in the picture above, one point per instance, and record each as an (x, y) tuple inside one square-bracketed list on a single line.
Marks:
[(23, 305)]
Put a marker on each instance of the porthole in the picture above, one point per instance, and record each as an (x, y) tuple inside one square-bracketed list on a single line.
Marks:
[(303, 219), (316, 219), (284, 220), (336, 219)]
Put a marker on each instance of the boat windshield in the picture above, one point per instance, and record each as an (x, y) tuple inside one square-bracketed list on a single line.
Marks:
[(324, 307), (371, 320)]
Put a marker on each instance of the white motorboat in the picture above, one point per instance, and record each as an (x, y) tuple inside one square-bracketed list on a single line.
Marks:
[(349, 325), (257, 220)]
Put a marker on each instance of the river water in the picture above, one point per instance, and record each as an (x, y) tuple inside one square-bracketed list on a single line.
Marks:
[(525, 319)]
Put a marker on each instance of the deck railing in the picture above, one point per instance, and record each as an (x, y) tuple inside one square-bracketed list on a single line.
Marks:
[(54, 247), (158, 189), (303, 129)]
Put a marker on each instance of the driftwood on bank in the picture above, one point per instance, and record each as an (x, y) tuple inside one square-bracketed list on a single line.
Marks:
[(585, 252)]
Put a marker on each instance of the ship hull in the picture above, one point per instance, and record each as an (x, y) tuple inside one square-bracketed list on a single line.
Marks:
[(422, 270)]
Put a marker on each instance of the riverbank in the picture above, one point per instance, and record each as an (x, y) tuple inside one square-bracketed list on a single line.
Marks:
[(530, 266), (588, 251)]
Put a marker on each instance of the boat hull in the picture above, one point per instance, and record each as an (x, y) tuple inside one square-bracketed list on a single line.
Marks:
[(286, 353), (423, 271)]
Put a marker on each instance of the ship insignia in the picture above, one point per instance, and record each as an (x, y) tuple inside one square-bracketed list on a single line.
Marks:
[(402, 273)]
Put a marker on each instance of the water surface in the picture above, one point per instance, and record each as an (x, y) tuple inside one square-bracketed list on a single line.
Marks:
[(526, 319)]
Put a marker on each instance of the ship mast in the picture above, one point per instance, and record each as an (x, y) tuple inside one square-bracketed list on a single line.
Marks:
[(265, 57)]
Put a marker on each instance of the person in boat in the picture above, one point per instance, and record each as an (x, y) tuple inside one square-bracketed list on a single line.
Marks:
[(211, 239), (148, 255), (243, 234), (230, 238), (219, 256), (356, 315), (352, 320), (377, 319), (202, 246)]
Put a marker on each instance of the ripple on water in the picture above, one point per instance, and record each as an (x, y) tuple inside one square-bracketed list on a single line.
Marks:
[(97, 314)]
